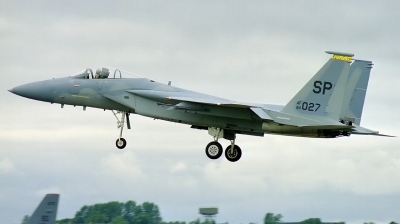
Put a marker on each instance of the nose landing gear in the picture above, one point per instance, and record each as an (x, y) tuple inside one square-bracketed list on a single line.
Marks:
[(121, 142)]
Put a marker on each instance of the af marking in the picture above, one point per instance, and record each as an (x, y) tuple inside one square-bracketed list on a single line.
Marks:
[(307, 106)]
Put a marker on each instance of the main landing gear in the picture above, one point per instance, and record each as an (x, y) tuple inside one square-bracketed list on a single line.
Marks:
[(214, 149), (121, 142)]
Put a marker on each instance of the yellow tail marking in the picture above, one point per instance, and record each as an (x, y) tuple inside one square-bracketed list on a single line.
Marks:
[(341, 57)]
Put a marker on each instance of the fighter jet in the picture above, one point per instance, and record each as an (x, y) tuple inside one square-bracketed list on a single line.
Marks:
[(46, 211), (330, 104)]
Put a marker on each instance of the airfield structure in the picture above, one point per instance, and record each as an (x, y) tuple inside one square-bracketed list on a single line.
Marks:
[(208, 213)]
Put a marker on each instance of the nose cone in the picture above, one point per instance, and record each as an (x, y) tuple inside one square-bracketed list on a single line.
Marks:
[(35, 90)]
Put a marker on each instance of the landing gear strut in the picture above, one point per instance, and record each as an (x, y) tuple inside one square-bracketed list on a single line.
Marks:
[(233, 152), (121, 142), (214, 149)]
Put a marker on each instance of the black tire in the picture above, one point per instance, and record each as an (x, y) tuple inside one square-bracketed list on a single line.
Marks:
[(235, 155), (120, 143), (214, 150)]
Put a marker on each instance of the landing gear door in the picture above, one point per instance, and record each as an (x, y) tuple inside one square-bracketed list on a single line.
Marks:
[(216, 132)]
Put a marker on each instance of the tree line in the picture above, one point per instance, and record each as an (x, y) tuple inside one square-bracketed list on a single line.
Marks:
[(117, 213), (149, 213)]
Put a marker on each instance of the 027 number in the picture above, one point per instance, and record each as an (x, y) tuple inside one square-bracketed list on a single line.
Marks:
[(308, 106)]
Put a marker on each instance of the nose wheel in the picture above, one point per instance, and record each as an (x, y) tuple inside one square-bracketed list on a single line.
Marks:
[(121, 142)]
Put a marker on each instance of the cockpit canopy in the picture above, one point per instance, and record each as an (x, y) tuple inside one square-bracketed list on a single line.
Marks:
[(103, 73)]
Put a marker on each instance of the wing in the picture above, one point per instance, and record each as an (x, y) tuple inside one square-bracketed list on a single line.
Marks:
[(186, 96)]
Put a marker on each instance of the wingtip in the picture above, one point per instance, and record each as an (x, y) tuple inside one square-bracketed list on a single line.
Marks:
[(390, 136)]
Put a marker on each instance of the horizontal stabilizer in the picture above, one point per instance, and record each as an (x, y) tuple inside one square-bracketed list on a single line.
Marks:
[(305, 120), (329, 127), (365, 131)]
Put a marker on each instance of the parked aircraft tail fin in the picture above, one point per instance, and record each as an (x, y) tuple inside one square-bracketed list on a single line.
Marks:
[(46, 212), (356, 89), (323, 94)]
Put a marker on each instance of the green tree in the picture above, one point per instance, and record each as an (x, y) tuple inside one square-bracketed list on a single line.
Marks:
[(96, 217), (147, 213), (81, 215), (105, 212), (311, 221), (134, 214), (111, 209), (128, 211), (197, 221), (118, 220), (25, 219), (176, 222), (207, 221), (270, 218), (64, 221), (393, 222)]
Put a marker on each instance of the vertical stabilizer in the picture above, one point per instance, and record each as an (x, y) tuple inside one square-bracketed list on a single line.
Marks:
[(356, 89), (323, 94), (46, 212)]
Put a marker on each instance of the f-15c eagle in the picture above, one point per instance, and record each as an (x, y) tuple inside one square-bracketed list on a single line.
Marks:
[(330, 105)]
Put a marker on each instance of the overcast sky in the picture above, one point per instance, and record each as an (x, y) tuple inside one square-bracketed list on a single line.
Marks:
[(251, 51)]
